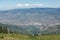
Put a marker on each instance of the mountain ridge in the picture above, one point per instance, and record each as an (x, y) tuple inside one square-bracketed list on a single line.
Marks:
[(31, 16)]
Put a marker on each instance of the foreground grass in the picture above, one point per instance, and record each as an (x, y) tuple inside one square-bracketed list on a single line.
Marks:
[(28, 37)]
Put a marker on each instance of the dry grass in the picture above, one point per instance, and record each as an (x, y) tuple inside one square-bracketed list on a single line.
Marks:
[(28, 37)]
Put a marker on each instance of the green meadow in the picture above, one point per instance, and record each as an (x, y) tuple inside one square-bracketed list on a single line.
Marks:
[(28, 37)]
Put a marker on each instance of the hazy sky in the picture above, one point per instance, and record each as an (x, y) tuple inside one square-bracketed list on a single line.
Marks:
[(13, 4)]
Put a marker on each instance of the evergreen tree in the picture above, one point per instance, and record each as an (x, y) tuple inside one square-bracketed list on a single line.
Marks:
[(5, 29), (0, 29)]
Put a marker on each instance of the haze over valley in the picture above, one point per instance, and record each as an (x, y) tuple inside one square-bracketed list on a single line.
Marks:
[(31, 20)]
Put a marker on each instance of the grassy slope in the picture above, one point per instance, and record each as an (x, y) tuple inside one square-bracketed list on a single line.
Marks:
[(28, 37)]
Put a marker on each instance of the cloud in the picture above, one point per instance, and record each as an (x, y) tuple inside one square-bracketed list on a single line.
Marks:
[(23, 5), (29, 5)]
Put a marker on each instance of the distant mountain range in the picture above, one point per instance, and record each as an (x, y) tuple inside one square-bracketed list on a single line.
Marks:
[(31, 19), (31, 16)]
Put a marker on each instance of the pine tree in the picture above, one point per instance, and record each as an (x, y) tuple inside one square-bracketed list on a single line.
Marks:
[(5, 29), (0, 29)]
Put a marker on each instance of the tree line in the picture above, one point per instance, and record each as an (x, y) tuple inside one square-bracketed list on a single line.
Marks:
[(3, 29)]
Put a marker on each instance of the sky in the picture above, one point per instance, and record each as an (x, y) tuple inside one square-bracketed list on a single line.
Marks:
[(13, 4)]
